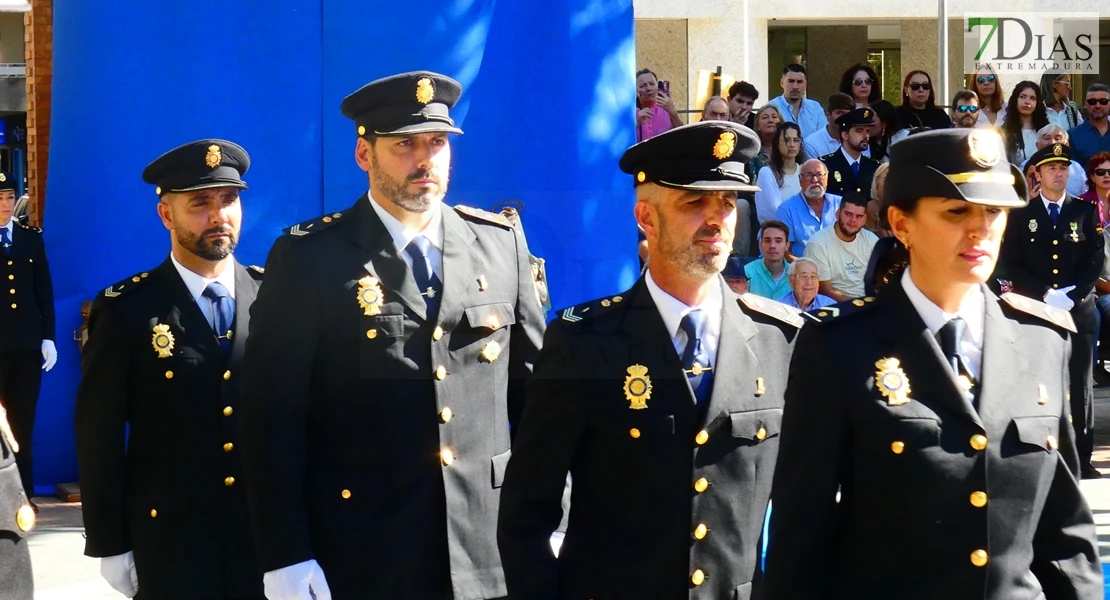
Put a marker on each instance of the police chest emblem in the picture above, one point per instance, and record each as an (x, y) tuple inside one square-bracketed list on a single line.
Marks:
[(162, 340), (637, 387), (491, 351), (370, 296), (892, 381), (1032, 226), (214, 157), (725, 145), (425, 93), (837, 177), (1074, 231)]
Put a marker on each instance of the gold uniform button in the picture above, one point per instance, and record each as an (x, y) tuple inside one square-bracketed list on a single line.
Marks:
[(169, 374), (25, 518), (372, 333), (153, 513), (346, 494), (1055, 257), (761, 434), (1055, 242), (979, 442), (228, 447), (227, 375), (702, 437), (697, 577), (1055, 285), (229, 481), (898, 447), (228, 410), (700, 531), (437, 333), (978, 499), (635, 433), (701, 485), (135, 279), (979, 558), (1051, 441), (446, 414), (440, 373), (14, 305), (447, 456), (1056, 271)]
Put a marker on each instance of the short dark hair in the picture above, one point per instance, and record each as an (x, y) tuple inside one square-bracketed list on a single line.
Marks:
[(773, 224), (646, 72), (964, 95), (743, 88), (793, 68), (840, 101), (853, 197), (1098, 87)]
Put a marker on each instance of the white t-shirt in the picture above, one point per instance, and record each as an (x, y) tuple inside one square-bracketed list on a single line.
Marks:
[(842, 263), (771, 195)]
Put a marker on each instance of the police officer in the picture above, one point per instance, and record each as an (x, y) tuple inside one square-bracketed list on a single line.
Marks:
[(663, 402), (26, 326), (938, 412), (16, 519), (1054, 252), (157, 421), (849, 168), (390, 347)]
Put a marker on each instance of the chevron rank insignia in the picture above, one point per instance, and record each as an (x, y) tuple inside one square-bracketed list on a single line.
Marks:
[(777, 310), (313, 225), (1058, 317), (125, 286)]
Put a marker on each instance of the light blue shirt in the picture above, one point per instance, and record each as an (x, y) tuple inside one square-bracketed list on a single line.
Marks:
[(811, 117), (819, 301), (803, 222), (761, 283)]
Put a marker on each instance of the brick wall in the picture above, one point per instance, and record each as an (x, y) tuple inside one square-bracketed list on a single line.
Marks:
[(39, 35)]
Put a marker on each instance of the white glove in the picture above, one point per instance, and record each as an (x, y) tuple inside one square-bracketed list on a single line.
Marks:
[(49, 355), (119, 572), (1059, 298), (302, 581)]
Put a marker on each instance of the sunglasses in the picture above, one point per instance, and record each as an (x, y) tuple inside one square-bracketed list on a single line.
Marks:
[(1063, 82), (866, 81), (1100, 101), (966, 108), (920, 86), (986, 79), (1102, 172)]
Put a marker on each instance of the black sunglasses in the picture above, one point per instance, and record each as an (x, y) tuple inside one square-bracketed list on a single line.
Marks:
[(1094, 101), (967, 108), (985, 79), (865, 81), (920, 86), (1102, 172)]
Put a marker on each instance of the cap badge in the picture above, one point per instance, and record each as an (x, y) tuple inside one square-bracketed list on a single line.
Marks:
[(1032, 226), (637, 387), (3, 177), (892, 381), (425, 93), (370, 296), (985, 147), (725, 145), (214, 157), (866, 114), (1058, 150), (162, 340)]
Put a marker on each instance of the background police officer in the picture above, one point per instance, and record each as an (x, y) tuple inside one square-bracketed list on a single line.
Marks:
[(850, 170)]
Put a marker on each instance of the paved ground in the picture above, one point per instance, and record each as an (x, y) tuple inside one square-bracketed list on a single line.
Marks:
[(62, 573)]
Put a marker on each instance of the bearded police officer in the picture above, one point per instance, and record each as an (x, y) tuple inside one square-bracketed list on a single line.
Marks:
[(663, 402), (157, 421), (390, 347), (850, 170)]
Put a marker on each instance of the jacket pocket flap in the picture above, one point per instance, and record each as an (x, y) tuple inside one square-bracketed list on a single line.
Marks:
[(756, 425), (1038, 431), (388, 325), (491, 316)]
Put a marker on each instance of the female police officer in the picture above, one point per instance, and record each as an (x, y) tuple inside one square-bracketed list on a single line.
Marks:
[(938, 410)]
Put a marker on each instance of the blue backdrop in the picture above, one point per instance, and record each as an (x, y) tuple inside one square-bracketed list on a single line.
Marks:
[(547, 109)]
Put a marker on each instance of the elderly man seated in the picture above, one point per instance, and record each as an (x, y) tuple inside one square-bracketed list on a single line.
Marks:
[(804, 281)]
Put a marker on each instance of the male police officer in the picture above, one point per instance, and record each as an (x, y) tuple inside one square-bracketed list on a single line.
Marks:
[(849, 168), (16, 519), (26, 325), (164, 505), (663, 403), (1053, 250), (390, 345)]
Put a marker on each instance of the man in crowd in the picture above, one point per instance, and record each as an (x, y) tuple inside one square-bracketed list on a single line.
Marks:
[(671, 476), (156, 418), (734, 274), (389, 351), (793, 104), (849, 164), (827, 139), (810, 210), (1077, 175), (841, 252), (715, 109), (767, 274), (965, 109), (803, 294), (741, 98), (1054, 250), (1091, 137)]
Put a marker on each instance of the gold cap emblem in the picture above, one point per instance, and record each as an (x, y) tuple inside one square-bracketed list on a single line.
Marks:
[(162, 340), (641, 176), (1057, 150), (3, 177), (370, 296), (866, 113), (361, 130), (725, 145), (637, 387), (491, 351), (985, 147), (892, 381), (214, 157), (425, 93)]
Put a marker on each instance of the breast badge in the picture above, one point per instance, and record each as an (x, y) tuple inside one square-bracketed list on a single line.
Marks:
[(491, 351), (892, 381), (837, 176), (637, 387), (162, 340), (1032, 226), (370, 296)]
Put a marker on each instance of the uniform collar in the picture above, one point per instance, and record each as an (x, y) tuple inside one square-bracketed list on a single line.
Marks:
[(972, 310), (672, 310), (197, 284), (402, 234)]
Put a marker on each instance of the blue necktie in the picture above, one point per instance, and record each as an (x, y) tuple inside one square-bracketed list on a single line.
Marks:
[(422, 272), (695, 358), (5, 240), (1053, 212), (855, 169), (949, 338), (222, 313)]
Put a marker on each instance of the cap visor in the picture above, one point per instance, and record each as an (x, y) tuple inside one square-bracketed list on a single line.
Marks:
[(426, 127), (719, 185), (242, 185), (991, 194)]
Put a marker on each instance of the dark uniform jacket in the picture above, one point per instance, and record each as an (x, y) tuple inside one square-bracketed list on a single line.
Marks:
[(27, 313), (937, 499), (174, 493), (376, 438), (16, 518), (841, 178), (666, 502), (1037, 257)]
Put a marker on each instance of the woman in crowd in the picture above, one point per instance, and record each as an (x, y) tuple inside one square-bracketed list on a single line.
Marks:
[(919, 108), (1061, 110), (1098, 185), (655, 113), (861, 83), (925, 450), (988, 88), (1025, 115), (885, 126), (767, 123), (779, 179)]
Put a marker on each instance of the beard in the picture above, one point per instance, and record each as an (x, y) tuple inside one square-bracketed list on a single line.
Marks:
[(210, 250), (396, 191), (814, 191), (686, 256)]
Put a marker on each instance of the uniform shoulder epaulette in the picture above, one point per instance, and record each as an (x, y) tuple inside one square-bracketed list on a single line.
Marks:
[(590, 309), (30, 228), (117, 290), (314, 225), (773, 309), (840, 310), (864, 156), (1056, 316), (256, 271), (829, 155), (483, 215)]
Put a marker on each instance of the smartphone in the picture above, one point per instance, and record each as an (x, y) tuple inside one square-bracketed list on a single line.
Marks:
[(665, 86)]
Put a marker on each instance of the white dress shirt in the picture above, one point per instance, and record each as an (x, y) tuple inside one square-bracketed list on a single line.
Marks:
[(851, 161), (674, 310), (197, 285), (11, 238), (972, 310), (403, 234)]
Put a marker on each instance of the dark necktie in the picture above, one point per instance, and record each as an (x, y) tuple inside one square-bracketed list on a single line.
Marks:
[(1053, 212), (5, 240), (422, 272), (695, 358), (855, 169), (949, 338), (222, 313)]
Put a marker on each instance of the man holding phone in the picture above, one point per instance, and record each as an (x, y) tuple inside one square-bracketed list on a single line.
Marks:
[(655, 112)]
